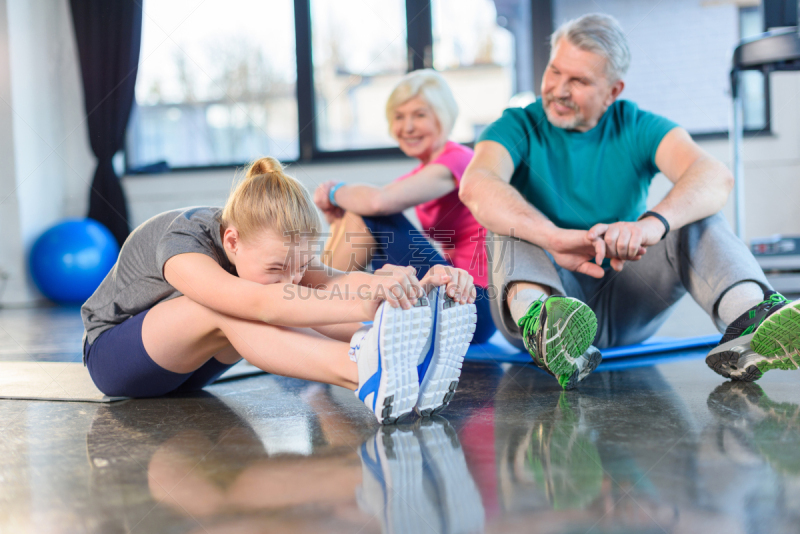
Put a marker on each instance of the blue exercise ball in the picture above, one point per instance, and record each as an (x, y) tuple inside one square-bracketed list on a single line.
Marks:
[(70, 260)]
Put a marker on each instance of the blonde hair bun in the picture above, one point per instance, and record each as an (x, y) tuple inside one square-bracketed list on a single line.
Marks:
[(269, 199), (264, 165)]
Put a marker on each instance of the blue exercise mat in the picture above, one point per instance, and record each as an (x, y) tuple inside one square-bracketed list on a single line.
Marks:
[(498, 350)]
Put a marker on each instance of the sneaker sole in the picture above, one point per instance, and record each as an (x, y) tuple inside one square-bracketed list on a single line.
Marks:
[(393, 459), (457, 496), (592, 361), (736, 359), (454, 328), (570, 328), (403, 334), (777, 339)]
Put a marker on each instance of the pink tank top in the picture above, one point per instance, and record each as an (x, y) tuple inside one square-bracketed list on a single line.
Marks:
[(447, 220)]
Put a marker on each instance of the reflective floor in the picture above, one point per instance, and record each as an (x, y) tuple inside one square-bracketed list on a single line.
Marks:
[(670, 448)]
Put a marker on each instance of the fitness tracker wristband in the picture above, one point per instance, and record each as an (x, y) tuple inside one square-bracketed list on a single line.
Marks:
[(332, 194), (660, 218)]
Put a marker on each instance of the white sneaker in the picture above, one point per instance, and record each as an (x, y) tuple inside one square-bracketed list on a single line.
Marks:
[(416, 479), (460, 504), (392, 481), (387, 353), (439, 365)]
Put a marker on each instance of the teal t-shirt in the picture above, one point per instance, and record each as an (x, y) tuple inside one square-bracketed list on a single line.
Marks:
[(579, 179)]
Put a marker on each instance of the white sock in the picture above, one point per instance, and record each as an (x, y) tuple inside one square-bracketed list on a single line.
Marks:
[(738, 300), (522, 301)]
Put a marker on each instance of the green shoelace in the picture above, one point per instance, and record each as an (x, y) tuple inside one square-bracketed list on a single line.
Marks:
[(775, 298), (528, 321)]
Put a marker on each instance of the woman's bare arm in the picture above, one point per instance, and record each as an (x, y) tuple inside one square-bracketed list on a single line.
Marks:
[(431, 182), (201, 279)]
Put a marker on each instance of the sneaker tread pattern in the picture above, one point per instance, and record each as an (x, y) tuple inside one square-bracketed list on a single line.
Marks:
[(456, 328), (403, 334)]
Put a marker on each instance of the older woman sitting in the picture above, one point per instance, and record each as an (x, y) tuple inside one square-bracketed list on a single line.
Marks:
[(367, 223)]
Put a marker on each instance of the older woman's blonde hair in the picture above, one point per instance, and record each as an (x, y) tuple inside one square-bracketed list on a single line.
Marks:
[(268, 199), (433, 89)]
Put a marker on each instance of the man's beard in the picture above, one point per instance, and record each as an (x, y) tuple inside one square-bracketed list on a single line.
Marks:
[(574, 123)]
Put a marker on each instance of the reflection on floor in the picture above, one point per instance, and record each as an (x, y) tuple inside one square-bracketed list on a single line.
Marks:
[(670, 448)]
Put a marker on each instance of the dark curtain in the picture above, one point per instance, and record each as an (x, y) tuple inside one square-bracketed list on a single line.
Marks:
[(108, 34)]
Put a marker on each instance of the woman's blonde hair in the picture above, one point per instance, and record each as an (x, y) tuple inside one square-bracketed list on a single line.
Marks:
[(267, 199), (433, 89)]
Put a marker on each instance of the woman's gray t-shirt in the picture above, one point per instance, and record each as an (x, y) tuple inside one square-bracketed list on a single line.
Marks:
[(136, 282)]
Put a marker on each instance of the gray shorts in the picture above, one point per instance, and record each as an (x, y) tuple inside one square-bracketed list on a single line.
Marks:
[(704, 258)]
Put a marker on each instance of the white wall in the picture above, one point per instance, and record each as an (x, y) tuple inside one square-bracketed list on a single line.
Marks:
[(771, 166), (46, 165)]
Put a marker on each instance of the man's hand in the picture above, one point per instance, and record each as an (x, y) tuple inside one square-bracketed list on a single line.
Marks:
[(574, 250), (460, 285), (323, 201), (627, 241)]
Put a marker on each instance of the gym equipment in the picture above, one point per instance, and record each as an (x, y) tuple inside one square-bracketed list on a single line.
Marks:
[(69, 260), (52, 381), (498, 350), (70, 381), (779, 258), (776, 50)]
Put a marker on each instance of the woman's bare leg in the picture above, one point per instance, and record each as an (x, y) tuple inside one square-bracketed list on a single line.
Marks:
[(340, 332), (338, 427), (181, 335), (351, 244)]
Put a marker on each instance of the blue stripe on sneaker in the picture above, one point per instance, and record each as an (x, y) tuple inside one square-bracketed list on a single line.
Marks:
[(380, 475), (373, 383), (374, 467), (370, 386), (423, 367), (383, 483)]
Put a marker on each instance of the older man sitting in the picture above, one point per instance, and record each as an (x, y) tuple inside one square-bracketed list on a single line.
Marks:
[(564, 181)]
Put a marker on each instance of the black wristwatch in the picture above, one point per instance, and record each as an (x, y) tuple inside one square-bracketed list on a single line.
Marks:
[(660, 218)]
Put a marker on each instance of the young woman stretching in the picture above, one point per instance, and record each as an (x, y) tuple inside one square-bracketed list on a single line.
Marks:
[(367, 223), (196, 290)]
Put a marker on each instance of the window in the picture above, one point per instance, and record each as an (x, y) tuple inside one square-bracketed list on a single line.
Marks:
[(357, 62), (216, 84), (223, 82), (476, 56)]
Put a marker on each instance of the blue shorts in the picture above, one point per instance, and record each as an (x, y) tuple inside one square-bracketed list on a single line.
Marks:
[(400, 243), (120, 366)]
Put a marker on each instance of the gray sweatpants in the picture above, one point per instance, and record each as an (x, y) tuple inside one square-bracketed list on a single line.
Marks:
[(704, 258)]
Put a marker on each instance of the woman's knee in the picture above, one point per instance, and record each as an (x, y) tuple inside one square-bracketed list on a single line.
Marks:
[(228, 356), (182, 314)]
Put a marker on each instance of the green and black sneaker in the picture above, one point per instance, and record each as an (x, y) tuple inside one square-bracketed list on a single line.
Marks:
[(767, 336), (558, 333), (563, 459), (773, 428)]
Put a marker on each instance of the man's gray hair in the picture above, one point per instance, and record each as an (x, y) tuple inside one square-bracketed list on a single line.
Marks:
[(600, 34)]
